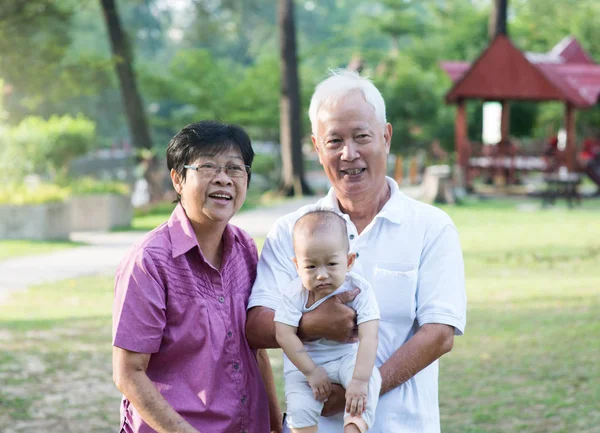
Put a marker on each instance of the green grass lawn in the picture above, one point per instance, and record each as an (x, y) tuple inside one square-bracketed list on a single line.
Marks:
[(527, 363), (14, 248)]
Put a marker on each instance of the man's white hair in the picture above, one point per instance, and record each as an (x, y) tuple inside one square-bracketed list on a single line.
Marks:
[(339, 84)]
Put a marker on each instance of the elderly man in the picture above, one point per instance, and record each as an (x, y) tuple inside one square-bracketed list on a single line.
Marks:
[(407, 250)]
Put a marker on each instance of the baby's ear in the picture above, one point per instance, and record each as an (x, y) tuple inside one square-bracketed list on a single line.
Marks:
[(351, 259), (293, 259)]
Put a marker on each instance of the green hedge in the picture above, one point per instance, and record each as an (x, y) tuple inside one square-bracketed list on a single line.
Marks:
[(21, 194)]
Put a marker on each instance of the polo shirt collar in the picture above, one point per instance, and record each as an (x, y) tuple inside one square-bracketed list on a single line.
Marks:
[(182, 234), (184, 239), (392, 210)]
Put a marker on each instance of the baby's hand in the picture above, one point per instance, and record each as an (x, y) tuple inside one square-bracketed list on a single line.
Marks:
[(356, 397), (319, 382)]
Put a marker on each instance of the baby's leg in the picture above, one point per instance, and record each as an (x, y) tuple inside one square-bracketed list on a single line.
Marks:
[(353, 424), (353, 428), (312, 429), (303, 410)]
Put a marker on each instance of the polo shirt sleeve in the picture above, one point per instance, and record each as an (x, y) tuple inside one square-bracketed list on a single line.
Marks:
[(275, 268), (441, 296), (139, 308)]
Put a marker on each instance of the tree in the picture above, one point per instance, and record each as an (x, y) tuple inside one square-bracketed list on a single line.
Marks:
[(498, 18), (123, 61), (293, 182)]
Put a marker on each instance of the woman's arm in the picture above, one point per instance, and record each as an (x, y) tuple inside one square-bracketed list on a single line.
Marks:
[(129, 374), (264, 365)]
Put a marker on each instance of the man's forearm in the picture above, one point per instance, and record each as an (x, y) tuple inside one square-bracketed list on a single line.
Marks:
[(429, 343), (260, 328), (152, 406)]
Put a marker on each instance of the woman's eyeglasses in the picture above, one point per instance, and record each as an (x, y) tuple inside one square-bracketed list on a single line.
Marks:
[(210, 169)]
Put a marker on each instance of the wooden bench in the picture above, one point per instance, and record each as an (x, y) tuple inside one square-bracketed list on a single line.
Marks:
[(561, 185)]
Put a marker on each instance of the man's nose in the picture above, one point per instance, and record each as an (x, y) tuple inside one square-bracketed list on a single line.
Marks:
[(350, 151)]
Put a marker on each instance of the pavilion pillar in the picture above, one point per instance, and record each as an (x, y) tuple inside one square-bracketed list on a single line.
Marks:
[(570, 147), (460, 140), (505, 121)]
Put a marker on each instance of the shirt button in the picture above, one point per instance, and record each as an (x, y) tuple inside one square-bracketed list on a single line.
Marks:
[(221, 299), (244, 431), (236, 366), (229, 333), (357, 255), (243, 400), (351, 237)]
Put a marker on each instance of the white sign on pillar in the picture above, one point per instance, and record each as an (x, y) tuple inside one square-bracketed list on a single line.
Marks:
[(492, 123)]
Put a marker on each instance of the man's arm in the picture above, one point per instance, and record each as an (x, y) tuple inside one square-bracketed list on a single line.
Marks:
[(428, 344), (129, 374), (333, 320), (264, 365)]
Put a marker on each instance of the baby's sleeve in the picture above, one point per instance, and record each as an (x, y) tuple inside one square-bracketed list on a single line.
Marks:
[(365, 304), (289, 308)]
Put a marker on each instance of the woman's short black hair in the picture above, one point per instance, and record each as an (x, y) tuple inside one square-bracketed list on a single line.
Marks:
[(207, 138)]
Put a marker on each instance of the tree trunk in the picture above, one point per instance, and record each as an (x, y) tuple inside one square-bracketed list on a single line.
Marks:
[(132, 101), (293, 182), (123, 59), (497, 24)]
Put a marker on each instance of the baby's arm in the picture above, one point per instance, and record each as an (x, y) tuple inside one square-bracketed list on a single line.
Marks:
[(356, 394), (294, 349)]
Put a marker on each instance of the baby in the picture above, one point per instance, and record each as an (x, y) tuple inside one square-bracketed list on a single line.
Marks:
[(323, 260)]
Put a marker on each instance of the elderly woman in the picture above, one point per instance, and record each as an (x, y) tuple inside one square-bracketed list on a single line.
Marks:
[(180, 354)]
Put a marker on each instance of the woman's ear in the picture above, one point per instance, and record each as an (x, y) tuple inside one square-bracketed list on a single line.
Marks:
[(177, 181)]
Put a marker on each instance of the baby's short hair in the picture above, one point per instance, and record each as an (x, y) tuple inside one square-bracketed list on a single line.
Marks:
[(318, 221)]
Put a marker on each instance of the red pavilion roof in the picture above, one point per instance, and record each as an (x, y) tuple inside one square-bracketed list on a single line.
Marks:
[(567, 73)]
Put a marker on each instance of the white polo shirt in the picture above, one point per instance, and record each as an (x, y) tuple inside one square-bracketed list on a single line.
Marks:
[(411, 255)]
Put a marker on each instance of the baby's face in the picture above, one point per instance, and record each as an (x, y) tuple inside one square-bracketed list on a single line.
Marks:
[(322, 262)]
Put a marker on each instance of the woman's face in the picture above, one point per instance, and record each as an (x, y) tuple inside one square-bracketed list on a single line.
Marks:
[(208, 197)]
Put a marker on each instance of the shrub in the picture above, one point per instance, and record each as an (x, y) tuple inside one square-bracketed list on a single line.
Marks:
[(13, 194), (90, 186), (44, 147)]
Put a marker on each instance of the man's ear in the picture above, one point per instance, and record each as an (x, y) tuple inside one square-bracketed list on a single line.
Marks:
[(316, 146), (351, 259)]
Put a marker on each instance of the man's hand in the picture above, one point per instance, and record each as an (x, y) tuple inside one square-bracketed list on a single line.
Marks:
[(319, 382), (336, 401), (333, 320), (356, 396)]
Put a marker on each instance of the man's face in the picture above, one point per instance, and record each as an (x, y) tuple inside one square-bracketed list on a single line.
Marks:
[(212, 198), (352, 146)]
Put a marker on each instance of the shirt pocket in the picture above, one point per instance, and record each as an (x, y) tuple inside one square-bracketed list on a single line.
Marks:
[(395, 285)]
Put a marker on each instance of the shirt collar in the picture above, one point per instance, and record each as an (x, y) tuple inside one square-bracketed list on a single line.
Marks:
[(184, 239), (182, 234), (392, 210)]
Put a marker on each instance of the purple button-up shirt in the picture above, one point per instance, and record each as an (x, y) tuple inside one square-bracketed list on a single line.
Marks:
[(170, 302)]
